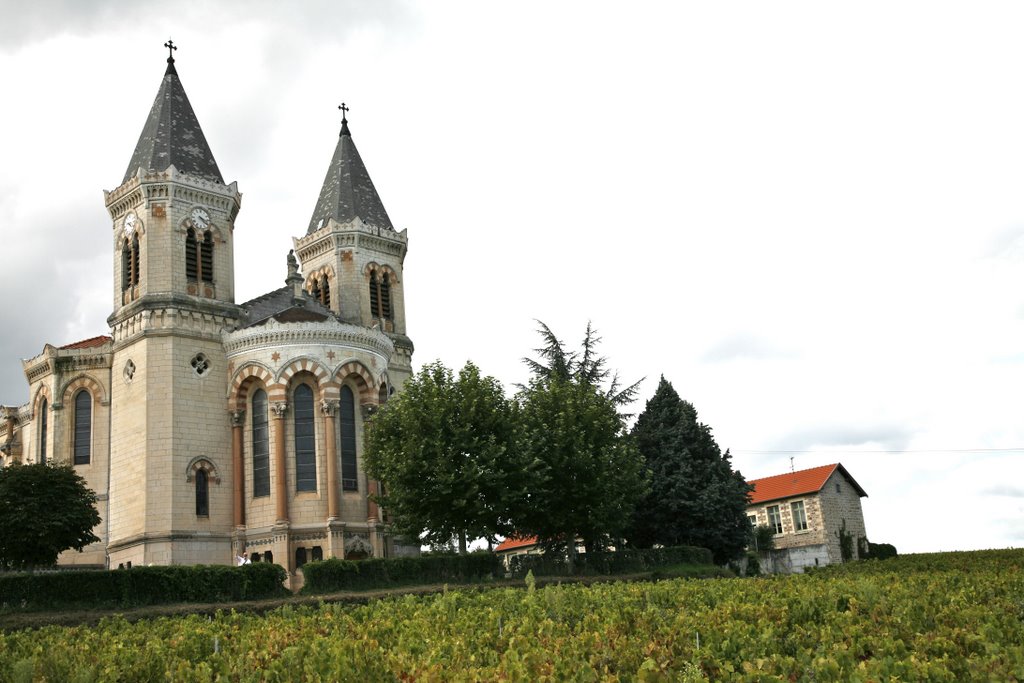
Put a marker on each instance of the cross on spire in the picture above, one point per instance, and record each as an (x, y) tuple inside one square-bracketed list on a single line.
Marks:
[(344, 121), (171, 47)]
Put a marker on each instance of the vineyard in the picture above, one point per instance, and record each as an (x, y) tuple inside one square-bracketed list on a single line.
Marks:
[(949, 617)]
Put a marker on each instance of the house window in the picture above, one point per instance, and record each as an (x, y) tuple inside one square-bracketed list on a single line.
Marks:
[(752, 519), (799, 516), (838, 488), (42, 431), (260, 445), (775, 519), (380, 295), (199, 255), (305, 440), (347, 417), (202, 494), (82, 444)]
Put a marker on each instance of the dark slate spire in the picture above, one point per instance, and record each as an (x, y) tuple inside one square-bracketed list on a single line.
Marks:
[(348, 191), (172, 134)]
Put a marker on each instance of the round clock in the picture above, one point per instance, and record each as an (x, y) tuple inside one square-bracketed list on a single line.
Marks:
[(129, 223), (200, 218)]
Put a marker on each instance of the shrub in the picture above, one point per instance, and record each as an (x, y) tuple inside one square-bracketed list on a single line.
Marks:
[(611, 562), (141, 586), (338, 575), (753, 564)]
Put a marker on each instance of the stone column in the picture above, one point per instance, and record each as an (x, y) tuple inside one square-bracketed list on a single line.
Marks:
[(330, 410), (280, 471), (372, 509), (237, 467)]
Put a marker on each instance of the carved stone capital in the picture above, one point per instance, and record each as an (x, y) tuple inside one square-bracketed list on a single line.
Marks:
[(237, 418), (368, 409), (279, 408), (329, 407)]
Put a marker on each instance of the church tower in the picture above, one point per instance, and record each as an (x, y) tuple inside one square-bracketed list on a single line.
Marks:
[(172, 237), (352, 256)]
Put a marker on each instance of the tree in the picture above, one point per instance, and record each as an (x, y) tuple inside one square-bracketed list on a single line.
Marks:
[(443, 448), (695, 498), (587, 473), (44, 510)]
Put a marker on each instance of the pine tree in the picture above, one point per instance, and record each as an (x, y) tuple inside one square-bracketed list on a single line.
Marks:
[(695, 497)]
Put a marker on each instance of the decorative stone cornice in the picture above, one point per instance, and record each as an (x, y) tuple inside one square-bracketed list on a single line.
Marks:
[(334, 235), (156, 186), (329, 332)]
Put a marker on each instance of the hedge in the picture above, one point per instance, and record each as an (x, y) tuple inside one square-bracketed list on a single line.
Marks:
[(611, 562), (141, 586), (338, 575)]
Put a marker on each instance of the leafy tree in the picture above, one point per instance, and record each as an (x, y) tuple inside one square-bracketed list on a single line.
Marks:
[(44, 510), (587, 474), (444, 450), (695, 498)]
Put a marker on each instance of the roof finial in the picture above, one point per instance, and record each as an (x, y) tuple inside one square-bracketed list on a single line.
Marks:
[(171, 47), (344, 121)]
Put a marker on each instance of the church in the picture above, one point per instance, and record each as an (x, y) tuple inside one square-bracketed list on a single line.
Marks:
[(209, 428)]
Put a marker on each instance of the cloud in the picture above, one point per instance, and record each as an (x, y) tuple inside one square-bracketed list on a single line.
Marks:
[(1004, 490), (746, 346), (878, 437)]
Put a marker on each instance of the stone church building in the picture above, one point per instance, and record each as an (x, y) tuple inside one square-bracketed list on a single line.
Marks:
[(209, 427)]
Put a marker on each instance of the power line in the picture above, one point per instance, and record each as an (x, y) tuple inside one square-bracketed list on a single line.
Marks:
[(826, 451)]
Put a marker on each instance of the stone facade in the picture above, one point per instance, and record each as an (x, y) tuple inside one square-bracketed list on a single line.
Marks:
[(831, 503), (174, 438)]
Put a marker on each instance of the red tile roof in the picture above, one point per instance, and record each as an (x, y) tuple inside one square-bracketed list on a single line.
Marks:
[(798, 483), (513, 543), (90, 343)]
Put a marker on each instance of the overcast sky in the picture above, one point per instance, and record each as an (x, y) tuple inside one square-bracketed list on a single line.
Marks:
[(808, 216)]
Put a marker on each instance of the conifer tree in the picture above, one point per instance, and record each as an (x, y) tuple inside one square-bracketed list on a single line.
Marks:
[(695, 497)]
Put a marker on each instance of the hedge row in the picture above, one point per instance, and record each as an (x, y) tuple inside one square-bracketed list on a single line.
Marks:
[(338, 575), (141, 586), (611, 562)]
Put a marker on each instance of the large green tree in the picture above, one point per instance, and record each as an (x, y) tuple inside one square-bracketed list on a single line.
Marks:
[(695, 497), (587, 474), (444, 450), (44, 510)]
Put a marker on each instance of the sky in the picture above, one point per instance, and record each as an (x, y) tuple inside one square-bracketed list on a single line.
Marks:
[(807, 216)]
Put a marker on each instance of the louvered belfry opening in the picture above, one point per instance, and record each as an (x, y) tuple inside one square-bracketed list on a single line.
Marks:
[(374, 295), (199, 256), (380, 295), (325, 292), (130, 264)]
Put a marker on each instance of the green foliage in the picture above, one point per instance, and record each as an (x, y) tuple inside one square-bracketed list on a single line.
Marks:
[(588, 474), (140, 586), (845, 542), (954, 617), (444, 447), (753, 564), (612, 562), (875, 551), (340, 575), (44, 510), (695, 497), (762, 538)]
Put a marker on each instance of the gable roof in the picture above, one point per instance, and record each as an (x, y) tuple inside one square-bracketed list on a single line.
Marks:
[(90, 343), (280, 304), (347, 191), (172, 135), (512, 543), (798, 483)]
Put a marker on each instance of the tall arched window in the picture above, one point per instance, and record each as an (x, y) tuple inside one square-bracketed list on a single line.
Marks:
[(305, 440), (347, 418), (199, 255), (43, 406), (82, 437), (260, 445), (130, 263), (380, 294), (202, 493)]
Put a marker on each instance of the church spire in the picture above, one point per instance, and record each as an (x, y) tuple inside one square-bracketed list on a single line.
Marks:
[(172, 135), (347, 191)]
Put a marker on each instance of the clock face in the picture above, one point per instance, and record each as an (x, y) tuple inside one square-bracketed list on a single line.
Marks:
[(200, 218), (129, 223)]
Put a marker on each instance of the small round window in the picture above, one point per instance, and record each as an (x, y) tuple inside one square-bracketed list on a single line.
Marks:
[(129, 371), (201, 364)]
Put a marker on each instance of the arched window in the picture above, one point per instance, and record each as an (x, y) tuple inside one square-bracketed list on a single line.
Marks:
[(260, 445), (199, 255), (314, 289), (318, 553), (202, 493), (191, 255), (380, 295), (82, 436), (130, 263), (300, 557), (305, 440), (382, 395), (347, 418), (268, 556), (42, 430)]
